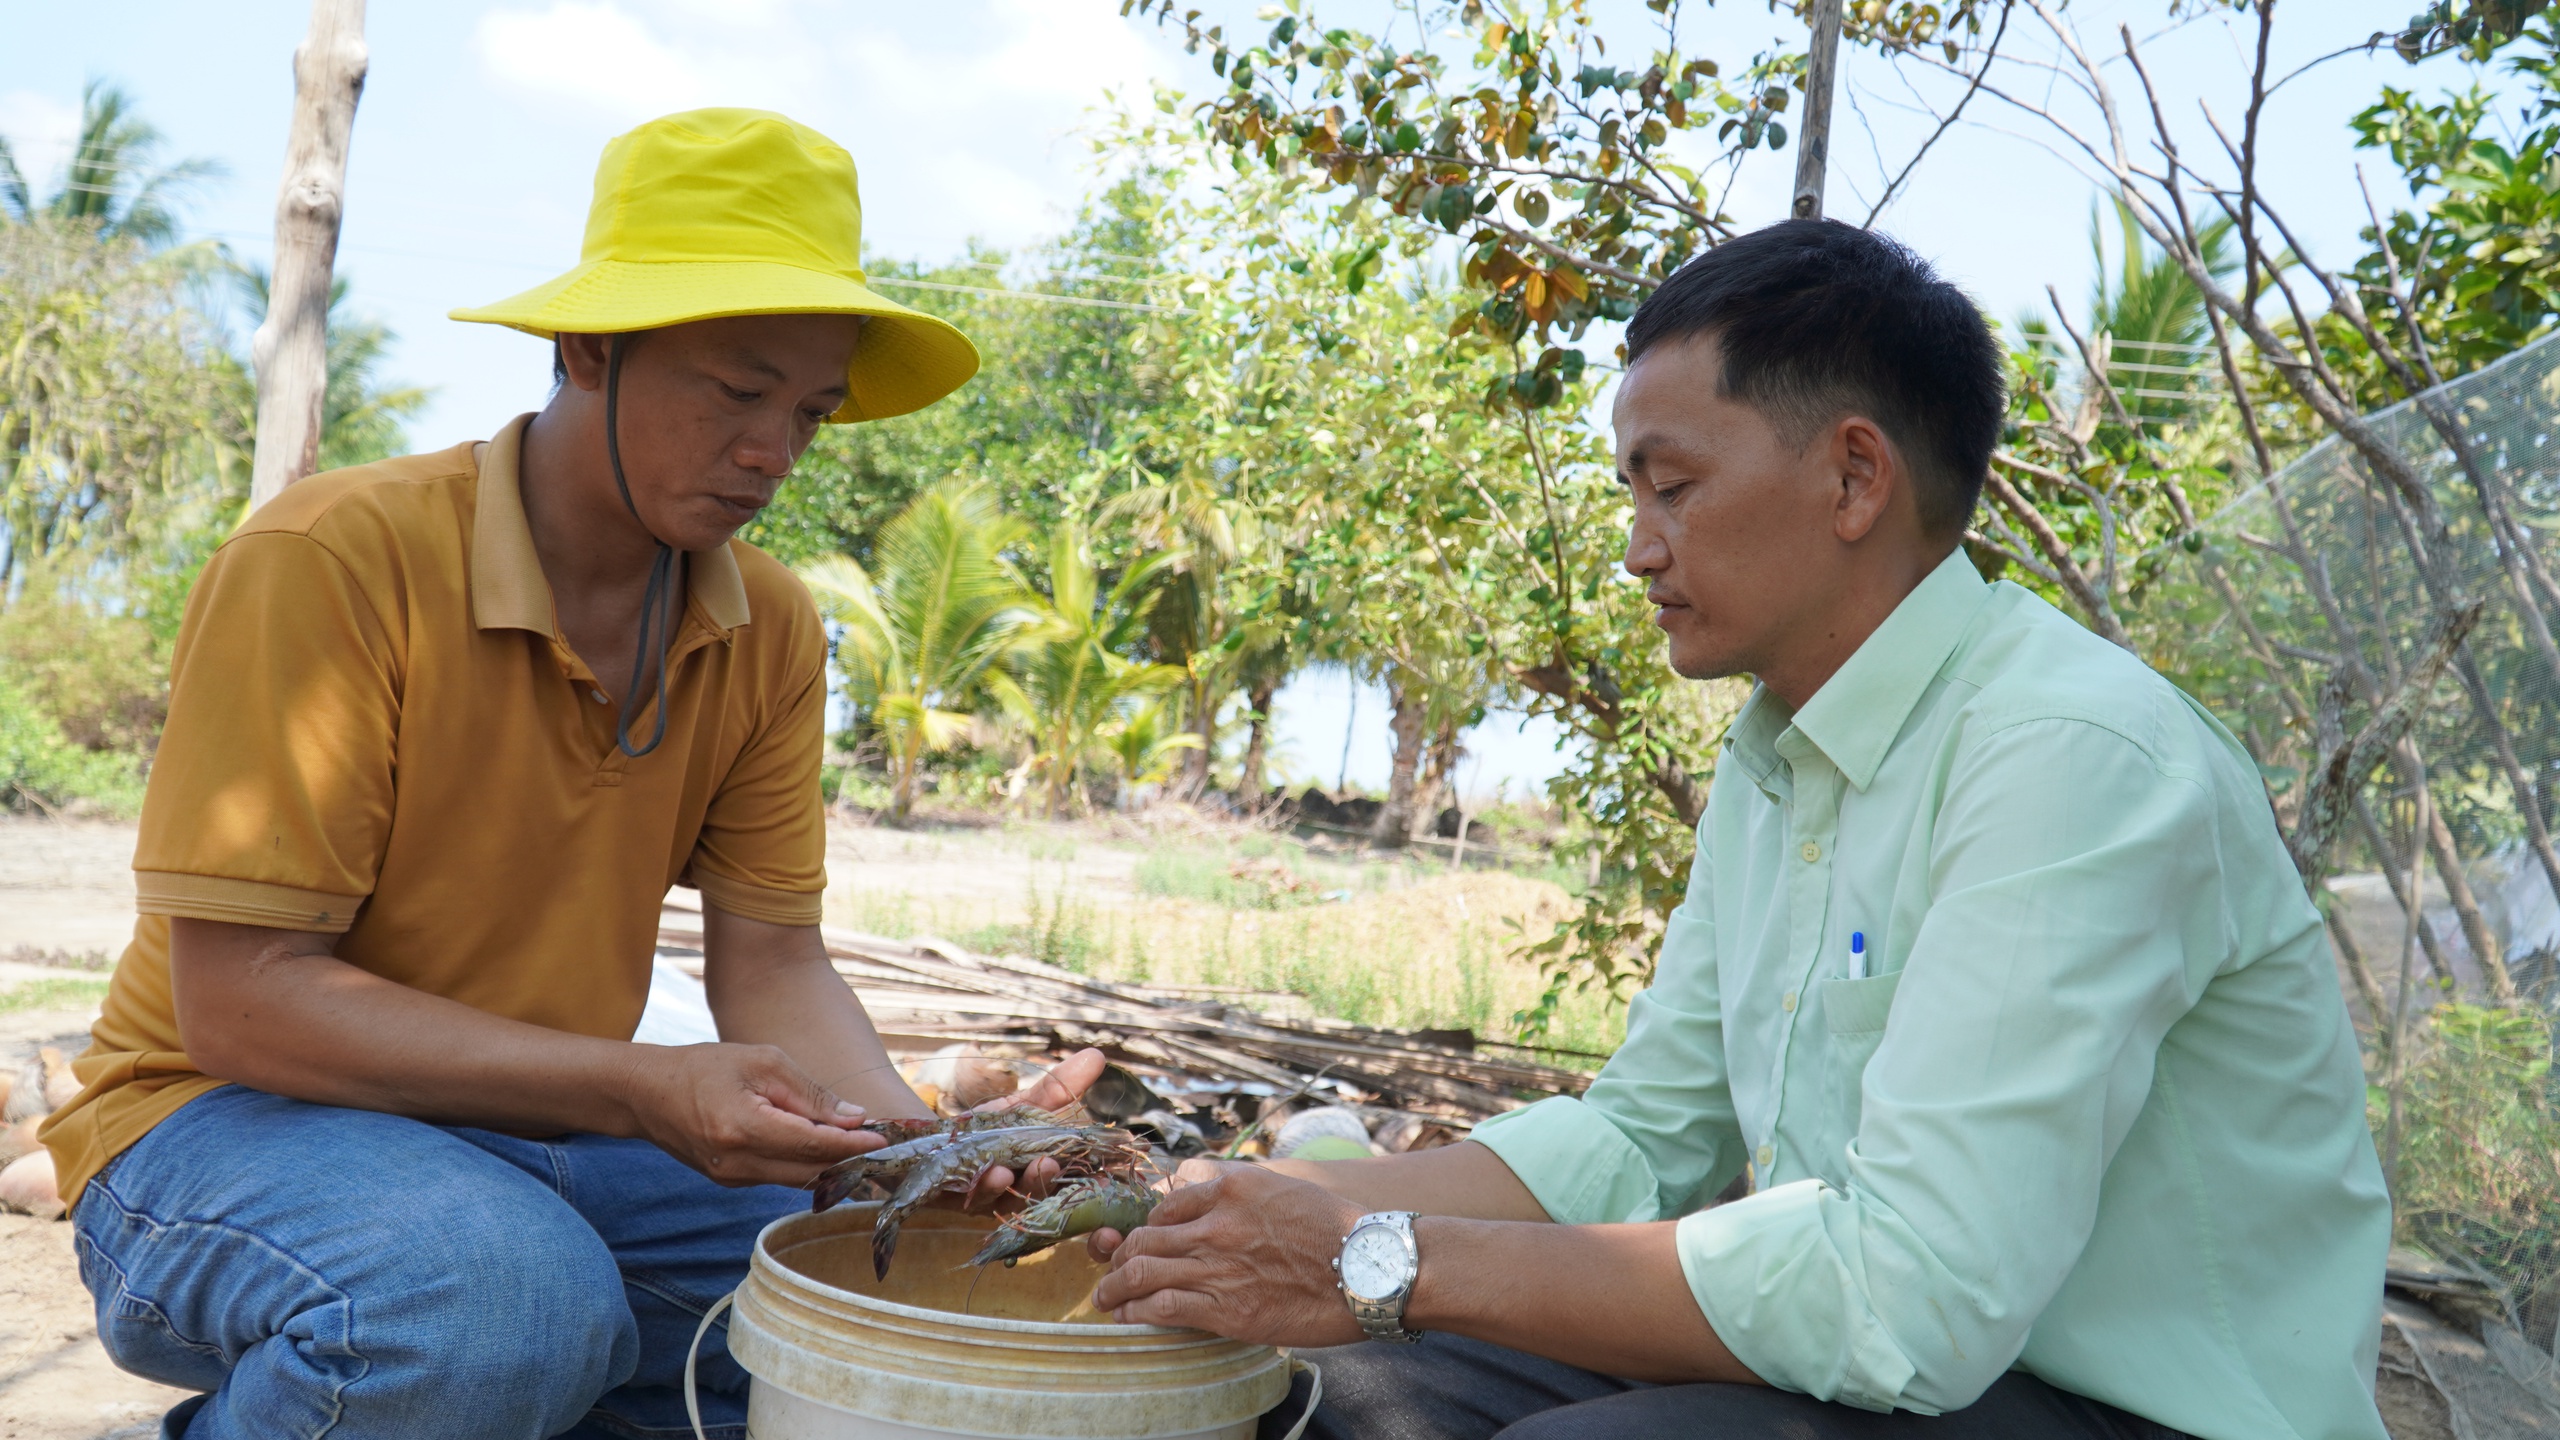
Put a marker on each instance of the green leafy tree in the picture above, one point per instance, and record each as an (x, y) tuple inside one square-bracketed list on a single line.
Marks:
[(938, 607), (1570, 173), (1058, 383), (2479, 254), (1411, 517), (113, 181), (1071, 678), (122, 420)]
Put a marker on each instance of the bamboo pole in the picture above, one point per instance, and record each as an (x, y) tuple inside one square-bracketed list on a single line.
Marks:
[(291, 349), (1813, 142)]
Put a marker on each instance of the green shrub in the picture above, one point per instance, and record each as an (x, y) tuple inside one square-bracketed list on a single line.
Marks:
[(2479, 1164), (41, 769), (102, 679)]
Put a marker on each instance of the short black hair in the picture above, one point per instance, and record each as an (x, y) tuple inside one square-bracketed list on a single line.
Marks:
[(1814, 320)]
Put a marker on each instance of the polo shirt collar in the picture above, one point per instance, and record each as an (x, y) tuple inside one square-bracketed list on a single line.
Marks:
[(508, 588), (1855, 716)]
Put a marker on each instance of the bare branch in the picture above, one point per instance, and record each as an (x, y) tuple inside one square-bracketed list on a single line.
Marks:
[(2067, 571), (1990, 55), (2011, 553), (2340, 777)]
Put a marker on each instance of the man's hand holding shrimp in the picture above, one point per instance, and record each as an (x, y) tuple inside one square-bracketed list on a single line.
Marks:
[(1236, 1248), (1057, 1090)]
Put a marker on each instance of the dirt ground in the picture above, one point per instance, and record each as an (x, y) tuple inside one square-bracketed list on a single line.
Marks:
[(65, 889)]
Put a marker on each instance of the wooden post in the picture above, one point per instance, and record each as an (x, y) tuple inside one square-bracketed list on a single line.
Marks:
[(291, 349), (1813, 142)]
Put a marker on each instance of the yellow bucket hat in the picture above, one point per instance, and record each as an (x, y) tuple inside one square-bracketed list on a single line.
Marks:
[(721, 212)]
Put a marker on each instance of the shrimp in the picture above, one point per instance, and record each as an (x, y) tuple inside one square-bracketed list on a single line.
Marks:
[(1079, 1208), (912, 1140), (957, 1165)]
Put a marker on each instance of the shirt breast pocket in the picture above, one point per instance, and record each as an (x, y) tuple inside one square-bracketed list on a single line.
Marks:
[(1854, 1013)]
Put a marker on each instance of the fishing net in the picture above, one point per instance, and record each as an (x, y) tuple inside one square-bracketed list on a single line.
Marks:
[(2303, 606)]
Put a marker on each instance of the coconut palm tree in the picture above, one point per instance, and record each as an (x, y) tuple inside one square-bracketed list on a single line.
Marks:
[(1071, 678), (938, 609), (1144, 744), (1185, 512), (112, 181)]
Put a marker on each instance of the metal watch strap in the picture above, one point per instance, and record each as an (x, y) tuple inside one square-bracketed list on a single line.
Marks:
[(1384, 1319)]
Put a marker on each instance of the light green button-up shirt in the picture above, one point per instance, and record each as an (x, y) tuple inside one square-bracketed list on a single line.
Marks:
[(2094, 1111)]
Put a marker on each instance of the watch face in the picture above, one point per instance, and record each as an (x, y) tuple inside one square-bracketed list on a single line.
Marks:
[(1373, 1263)]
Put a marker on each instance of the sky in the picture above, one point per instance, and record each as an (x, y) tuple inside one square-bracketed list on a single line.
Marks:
[(475, 146)]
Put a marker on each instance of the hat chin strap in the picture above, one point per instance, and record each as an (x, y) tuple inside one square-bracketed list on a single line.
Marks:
[(655, 602)]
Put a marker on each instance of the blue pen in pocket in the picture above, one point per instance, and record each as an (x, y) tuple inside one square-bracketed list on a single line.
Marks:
[(1857, 954)]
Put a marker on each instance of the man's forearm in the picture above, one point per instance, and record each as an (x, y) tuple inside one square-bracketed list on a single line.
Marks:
[(1466, 1180), (1610, 1298), (774, 985), (284, 1016)]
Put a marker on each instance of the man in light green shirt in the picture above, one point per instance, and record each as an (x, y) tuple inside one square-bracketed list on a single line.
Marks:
[(1992, 970)]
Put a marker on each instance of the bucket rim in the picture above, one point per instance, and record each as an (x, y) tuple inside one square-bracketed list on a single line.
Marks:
[(764, 1256)]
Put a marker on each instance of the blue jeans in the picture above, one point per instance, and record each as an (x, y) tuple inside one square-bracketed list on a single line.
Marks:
[(363, 1276)]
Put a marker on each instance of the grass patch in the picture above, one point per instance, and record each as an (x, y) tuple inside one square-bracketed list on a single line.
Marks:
[(2479, 1172), (1389, 943), (50, 994)]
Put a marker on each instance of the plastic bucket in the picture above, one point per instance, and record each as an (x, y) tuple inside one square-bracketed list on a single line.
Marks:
[(945, 1349)]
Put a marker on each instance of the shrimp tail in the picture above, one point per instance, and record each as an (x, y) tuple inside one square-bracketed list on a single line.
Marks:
[(884, 1242)]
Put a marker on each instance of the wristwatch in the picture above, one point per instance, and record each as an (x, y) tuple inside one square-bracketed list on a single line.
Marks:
[(1376, 1268)]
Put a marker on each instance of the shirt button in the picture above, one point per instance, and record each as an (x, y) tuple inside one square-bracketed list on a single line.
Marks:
[(1788, 1004), (1763, 1156), (1811, 852), (601, 697)]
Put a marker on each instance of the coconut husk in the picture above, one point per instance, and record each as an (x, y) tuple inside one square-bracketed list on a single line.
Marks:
[(27, 1186)]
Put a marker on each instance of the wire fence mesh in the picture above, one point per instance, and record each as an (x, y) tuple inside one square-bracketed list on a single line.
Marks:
[(2297, 614)]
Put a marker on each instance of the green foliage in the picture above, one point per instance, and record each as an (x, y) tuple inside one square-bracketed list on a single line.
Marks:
[(2475, 27), (1058, 384), (1574, 180), (51, 994), (2479, 1173), (2480, 258), (112, 185), (1394, 508), (1069, 679), (119, 414), (101, 679), (937, 608), (1143, 746), (42, 770)]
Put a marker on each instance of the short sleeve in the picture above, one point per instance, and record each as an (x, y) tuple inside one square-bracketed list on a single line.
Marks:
[(762, 853), (270, 798)]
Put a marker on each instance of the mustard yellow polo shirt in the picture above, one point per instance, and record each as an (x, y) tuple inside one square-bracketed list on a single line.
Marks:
[(376, 729)]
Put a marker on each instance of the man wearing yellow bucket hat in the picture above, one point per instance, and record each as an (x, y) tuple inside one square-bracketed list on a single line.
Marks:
[(365, 1148)]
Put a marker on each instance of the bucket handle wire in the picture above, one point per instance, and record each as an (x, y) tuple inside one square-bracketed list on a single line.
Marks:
[(693, 1401), (1315, 1396)]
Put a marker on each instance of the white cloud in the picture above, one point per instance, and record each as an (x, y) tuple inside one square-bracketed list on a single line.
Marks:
[(41, 131), (960, 114), (592, 52)]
